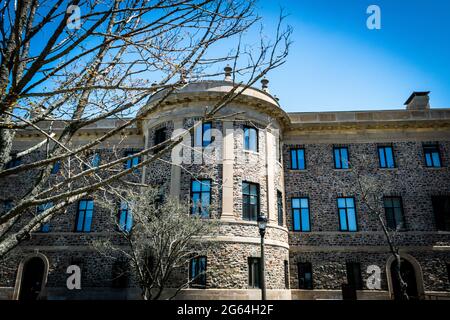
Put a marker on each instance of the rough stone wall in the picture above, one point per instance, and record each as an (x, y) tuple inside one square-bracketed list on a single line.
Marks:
[(411, 180)]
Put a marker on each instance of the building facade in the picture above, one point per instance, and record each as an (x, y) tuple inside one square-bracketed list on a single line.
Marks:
[(298, 169)]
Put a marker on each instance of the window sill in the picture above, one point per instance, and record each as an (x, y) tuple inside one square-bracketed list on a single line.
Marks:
[(251, 152), (298, 170)]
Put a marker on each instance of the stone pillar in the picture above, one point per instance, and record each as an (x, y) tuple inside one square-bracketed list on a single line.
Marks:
[(270, 171), (228, 171), (175, 172)]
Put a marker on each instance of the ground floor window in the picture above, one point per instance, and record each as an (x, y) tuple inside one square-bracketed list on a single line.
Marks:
[(254, 272), (197, 272), (305, 275)]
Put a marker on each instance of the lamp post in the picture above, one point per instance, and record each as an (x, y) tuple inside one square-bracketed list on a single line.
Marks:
[(262, 224)]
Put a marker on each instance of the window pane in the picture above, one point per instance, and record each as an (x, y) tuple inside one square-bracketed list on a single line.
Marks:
[(382, 157), (80, 221), (351, 219), (205, 199), (253, 189), (343, 219), (82, 204), (389, 157), (206, 185), (436, 160), (245, 188), (344, 158), (296, 218), (304, 202), (253, 140), (337, 159), (341, 202), (90, 205), (428, 160), (305, 220), (295, 203), (196, 187), (349, 202), (88, 220), (206, 134), (301, 159), (294, 159)]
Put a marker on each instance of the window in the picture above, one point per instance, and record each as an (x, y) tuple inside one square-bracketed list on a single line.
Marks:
[(298, 159), (14, 162), (300, 214), (250, 199), (201, 197), (280, 208), (354, 279), (197, 272), (120, 273), (203, 137), (305, 275), (448, 271), (45, 227), (347, 214), (125, 217), (254, 272), (394, 212), (279, 148), (56, 167), (95, 161), (340, 157), (286, 274), (132, 162), (441, 208), (432, 156), (250, 139), (386, 156), (84, 217), (160, 137), (7, 205)]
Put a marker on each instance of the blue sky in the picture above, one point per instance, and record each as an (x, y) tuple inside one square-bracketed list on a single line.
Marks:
[(337, 63)]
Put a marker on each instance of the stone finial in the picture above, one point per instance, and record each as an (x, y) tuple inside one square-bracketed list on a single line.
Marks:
[(228, 71), (264, 85), (418, 100), (183, 76)]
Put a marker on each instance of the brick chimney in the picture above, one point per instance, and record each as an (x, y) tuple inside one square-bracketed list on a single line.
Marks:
[(418, 100)]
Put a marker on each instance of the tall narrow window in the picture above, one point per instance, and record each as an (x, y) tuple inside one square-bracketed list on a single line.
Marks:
[(159, 137), (340, 157), (203, 135), (354, 275), (14, 162), (84, 216), (201, 197), (56, 167), (250, 199), (441, 208), (347, 214), (254, 272), (95, 161), (6, 206), (280, 208), (394, 213), (298, 159), (286, 274), (132, 162), (197, 272), (251, 139), (447, 265), (386, 157), (432, 155), (125, 217), (305, 280), (300, 214), (120, 272), (45, 227)]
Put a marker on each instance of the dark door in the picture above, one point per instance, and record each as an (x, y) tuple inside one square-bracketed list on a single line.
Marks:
[(409, 276), (32, 277)]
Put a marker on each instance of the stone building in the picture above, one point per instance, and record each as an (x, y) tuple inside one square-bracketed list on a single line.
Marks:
[(298, 169)]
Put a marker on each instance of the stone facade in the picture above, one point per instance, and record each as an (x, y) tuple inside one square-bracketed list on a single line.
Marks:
[(325, 247)]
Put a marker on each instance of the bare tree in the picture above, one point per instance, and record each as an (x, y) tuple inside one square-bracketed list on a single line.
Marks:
[(160, 240), (78, 62), (369, 187)]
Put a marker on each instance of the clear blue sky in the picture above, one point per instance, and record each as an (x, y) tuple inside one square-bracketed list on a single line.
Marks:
[(336, 63)]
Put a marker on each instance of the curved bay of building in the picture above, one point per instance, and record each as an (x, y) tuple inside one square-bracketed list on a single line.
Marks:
[(297, 169)]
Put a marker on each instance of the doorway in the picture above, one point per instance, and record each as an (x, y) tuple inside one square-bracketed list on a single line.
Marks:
[(409, 276), (32, 279)]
